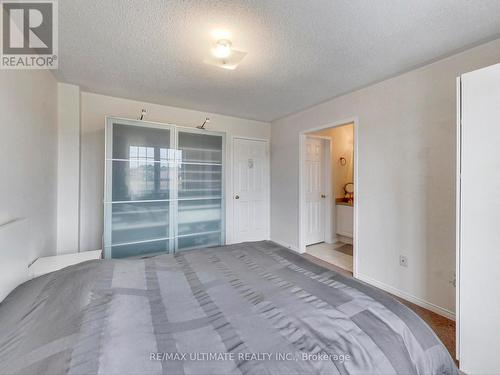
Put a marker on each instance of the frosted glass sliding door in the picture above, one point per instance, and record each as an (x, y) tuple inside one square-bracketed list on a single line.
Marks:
[(163, 189), (138, 200), (200, 190)]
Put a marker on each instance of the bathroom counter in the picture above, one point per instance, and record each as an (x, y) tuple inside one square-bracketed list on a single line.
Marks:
[(341, 202)]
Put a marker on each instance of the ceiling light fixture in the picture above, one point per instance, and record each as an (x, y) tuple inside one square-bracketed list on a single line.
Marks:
[(222, 49), (222, 54)]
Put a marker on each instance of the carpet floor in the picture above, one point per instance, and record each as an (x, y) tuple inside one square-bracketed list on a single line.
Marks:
[(444, 327)]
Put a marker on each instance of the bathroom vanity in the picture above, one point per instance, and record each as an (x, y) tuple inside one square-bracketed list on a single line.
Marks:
[(345, 218)]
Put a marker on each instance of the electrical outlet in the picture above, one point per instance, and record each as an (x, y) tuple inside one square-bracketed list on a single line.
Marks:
[(403, 261)]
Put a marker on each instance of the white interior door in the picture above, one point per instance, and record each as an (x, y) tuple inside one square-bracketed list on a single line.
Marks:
[(250, 190), (315, 191), (479, 223)]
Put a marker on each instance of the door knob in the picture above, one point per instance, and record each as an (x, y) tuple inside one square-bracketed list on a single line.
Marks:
[(323, 196), (236, 196)]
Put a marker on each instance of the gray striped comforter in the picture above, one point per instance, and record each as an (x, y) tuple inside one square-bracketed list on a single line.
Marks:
[(252, 308)]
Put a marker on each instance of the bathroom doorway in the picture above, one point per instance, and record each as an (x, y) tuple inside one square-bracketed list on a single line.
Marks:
[(327, 194)]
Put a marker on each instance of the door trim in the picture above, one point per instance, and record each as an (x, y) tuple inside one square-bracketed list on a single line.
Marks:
[(301, 222), (267, 184), (458, 222)]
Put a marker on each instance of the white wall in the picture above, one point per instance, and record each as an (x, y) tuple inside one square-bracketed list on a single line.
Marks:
[(28, 172), (68, 169), (406, 176), (95, 107)]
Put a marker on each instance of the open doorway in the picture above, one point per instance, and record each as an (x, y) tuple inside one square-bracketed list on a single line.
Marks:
[(327, 194)]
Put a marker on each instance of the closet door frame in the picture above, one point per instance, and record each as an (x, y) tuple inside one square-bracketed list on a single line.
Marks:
[(173, 181)]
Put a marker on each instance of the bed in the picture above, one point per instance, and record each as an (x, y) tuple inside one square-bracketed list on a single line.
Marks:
[(251, 308)]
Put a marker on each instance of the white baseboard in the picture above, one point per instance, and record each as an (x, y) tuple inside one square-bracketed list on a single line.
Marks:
[(408, 297)]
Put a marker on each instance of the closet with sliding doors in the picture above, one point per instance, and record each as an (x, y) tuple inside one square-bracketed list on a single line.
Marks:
[(164, 188)]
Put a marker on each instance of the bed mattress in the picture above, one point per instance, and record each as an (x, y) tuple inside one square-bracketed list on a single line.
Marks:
[(251, 308)]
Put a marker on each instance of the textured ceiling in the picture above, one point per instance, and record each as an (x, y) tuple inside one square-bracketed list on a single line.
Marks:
[(300, 52)]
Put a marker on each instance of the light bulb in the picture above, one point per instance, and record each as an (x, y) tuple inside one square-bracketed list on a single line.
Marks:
[(222, 49)]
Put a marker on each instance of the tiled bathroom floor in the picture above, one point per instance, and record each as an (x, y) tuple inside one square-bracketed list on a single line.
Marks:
[(339, 253)]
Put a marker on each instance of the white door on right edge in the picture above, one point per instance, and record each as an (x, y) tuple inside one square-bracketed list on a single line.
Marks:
[(251, 190), (479, 222), (315, 202)]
